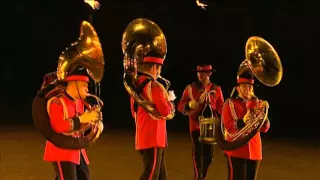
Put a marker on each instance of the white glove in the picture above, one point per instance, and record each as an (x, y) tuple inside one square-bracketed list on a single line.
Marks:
[(203, 97), (100, 129), (171, 96)]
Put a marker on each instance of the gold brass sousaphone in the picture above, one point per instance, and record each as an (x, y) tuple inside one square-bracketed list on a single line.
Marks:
[(140, 38), (264, 63), (86, 53)]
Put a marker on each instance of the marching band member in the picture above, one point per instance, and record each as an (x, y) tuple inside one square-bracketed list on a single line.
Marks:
[(243, 163), (192, 103), (151, 133), (67, 113)]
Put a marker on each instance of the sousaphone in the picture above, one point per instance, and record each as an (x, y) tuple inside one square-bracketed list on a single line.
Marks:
[(86, 52), (141, 37), (264, 63)]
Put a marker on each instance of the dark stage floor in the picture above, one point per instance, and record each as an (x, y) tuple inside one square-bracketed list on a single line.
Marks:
[(113, 158)]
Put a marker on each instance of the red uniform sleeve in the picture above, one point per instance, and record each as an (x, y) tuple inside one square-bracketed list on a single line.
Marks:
[(161, 103), (217, 100), (184, 100), (265, 128), (132, 107), (57, 121), (229, 123)]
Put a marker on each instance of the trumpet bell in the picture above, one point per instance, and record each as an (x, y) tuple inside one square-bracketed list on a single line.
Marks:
[(263, 61), (86, 52)]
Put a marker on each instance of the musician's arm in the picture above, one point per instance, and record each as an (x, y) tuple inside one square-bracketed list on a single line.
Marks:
[(219, 100), (163, 106), (231, 124), (132, 108), (266, 126), (183, 103), (57, 121)]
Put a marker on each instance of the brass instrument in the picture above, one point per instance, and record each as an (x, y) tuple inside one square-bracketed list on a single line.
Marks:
[(87, 53), (193, 104), (264, 63), (141, 37)]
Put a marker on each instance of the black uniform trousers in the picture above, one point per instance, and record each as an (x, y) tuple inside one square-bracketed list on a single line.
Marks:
[(70, 171), (202, 155), (154, 164), (242, 169)]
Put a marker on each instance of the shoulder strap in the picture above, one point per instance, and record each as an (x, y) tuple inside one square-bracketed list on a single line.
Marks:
[(140, 87), (213, 86), (232, 110), (60, 101), (189, 89), (139, 90)]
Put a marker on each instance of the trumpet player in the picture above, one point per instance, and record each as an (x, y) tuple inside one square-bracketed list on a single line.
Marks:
[(243, 163), (192, 103), (67, 113), (151, 133)]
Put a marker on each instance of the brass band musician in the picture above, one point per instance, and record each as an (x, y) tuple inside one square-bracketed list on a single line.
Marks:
[(144, 47), (61, 111), (243, 162), (192, 103)]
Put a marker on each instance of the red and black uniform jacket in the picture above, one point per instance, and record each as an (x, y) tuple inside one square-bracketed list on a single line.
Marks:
[(63, 111), (150, 132), (193, 92), (232, 115)]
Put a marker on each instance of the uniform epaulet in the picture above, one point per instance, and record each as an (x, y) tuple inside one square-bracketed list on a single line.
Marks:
[(154, 84), (56, 99), (229, 99), (142, 84), (216, 85)]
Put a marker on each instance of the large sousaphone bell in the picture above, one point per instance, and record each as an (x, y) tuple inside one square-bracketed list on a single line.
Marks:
[(87, 53), (264, 63), (140, 38)]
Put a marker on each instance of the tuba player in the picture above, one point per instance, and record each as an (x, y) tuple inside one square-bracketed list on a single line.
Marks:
[(243, 163), (67, 112), (151, 133)]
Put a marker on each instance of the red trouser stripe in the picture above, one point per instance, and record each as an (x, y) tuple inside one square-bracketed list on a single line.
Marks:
[(60, 171), (230, 168), (154, 163), (194, 160)]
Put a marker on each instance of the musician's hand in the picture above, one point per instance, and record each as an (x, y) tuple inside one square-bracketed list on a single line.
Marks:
[(193, 104), (100, 129), (265, 104), (247, 117), (171, 96), (255, 103), (202, 97), (89, 116)]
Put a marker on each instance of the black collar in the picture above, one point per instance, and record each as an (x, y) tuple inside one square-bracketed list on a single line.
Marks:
[(146, 74), (69, 97)]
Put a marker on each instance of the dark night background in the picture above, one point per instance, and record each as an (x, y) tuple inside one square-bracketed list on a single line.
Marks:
[(35, 35)]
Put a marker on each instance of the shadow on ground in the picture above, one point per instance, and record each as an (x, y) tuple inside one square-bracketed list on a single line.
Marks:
[(113, 158)]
